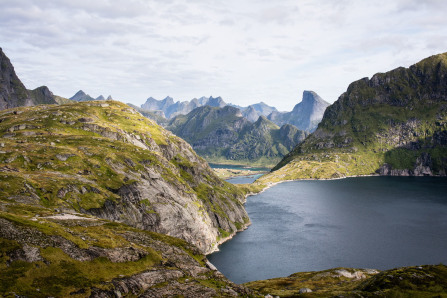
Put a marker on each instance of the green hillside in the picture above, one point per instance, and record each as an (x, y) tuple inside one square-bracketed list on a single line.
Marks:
[(107, 160), (392, 124), (222, 135)]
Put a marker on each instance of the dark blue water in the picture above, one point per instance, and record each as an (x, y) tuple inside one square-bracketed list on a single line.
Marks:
[(244, 179), (368, 222)]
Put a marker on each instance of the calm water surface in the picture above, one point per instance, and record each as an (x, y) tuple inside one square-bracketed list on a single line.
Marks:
[(244, 179), (368, 222)]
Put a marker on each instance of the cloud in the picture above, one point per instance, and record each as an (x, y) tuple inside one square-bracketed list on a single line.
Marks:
[(242, 50)]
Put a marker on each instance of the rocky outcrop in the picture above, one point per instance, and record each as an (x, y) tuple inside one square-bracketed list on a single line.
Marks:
[(250, 114), (420, 281), (61, 256), (422, 167), (14, 94), (109, 161), (42, 95), (305, 115)]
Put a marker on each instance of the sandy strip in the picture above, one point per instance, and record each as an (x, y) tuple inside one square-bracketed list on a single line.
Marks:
[(70, 216)]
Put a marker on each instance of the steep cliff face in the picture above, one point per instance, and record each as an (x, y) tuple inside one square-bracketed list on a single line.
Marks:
[(223, 134), (14, 94), (42, 95), (305, 115), (107, 160), (43, 254), (392, 124)]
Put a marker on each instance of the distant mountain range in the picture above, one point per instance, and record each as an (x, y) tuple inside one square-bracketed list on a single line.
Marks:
[(222, 134), (216, 130), (171, 109), (305, 116), (82, 96)]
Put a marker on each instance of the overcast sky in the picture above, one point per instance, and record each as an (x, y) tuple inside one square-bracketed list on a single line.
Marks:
[(243, 50)]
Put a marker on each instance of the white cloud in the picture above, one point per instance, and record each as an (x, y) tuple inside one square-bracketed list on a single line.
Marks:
[(244, 51)]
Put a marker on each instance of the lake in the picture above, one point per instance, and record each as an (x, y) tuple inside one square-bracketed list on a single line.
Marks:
[(244, 179), (365, 222)]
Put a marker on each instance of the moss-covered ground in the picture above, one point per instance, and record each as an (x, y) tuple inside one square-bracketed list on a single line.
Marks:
[(421, 281)]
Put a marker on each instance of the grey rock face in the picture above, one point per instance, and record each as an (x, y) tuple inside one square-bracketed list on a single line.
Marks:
[(14, 94), (250, 114), (422, 167), (305, 115), (305, 290), (177, 274), (42, 95)]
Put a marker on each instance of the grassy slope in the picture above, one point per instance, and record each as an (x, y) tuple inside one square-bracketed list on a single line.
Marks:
[(392, 118), (58, 274), (252, 144), (424, 281), (49, 155), (50, 162)]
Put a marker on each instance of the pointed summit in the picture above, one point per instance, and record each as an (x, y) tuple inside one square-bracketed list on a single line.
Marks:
[(109, 97), (305, 115), (81, 96), (78, 94), (100, 98), (250, 114), (312, 97)]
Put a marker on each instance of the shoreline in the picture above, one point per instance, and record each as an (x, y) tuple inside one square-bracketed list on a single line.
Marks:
[(269, 185)]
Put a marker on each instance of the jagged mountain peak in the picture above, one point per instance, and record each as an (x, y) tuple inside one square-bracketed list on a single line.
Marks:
[(311, 98), (264, 122), (81, 96), (305, 115), (79, 93)]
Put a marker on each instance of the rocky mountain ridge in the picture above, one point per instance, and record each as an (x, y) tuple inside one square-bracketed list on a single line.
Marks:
[(106, 160), (392, 124), (12, 91), (167, 108), (82, 96), (305, 115), (223, 134)]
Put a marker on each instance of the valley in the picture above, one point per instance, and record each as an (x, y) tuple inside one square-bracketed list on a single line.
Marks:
[(98, 200)]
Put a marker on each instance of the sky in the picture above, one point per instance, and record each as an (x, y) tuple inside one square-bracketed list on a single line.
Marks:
[(245, 51)]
